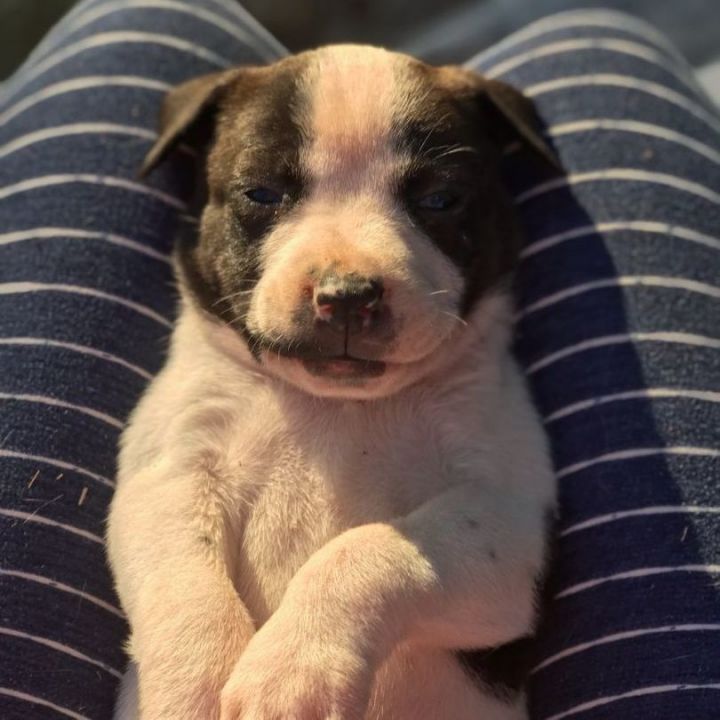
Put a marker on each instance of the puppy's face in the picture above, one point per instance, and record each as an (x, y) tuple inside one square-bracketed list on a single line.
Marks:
[(354, 217)]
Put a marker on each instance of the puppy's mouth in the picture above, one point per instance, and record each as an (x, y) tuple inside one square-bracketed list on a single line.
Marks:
[(324, 362), (338, 367), (344, 367)]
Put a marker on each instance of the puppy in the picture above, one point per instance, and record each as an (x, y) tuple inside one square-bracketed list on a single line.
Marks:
[(337, 488)]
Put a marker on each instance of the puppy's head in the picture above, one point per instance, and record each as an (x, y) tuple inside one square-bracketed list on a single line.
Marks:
[(355, 219)]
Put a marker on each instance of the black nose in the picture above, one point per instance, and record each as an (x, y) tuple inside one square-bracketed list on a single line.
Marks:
[(350, 303)]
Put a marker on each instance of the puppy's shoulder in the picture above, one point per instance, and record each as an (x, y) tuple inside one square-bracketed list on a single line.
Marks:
[(197, 401)]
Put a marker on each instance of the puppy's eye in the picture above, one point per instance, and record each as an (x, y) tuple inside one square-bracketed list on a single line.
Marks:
[(264, 196), (437, 201)]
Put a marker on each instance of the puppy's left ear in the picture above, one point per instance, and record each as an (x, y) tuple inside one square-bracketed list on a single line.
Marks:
[(510, 115)]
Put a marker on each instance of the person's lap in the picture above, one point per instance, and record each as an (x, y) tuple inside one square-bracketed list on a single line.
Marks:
[(618, 330)]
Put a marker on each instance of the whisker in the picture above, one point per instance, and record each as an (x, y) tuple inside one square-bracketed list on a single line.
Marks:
[(432, 129), (455, 150), (427, 137), (438, 292), (232, 295), (235, 321), (454, 317)]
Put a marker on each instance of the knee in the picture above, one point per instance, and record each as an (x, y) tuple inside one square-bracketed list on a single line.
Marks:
[(583, 42)]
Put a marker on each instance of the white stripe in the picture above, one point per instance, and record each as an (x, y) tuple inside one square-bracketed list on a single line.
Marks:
[(17, 695), (105, 180), (580, 19), (66, 20), (4, 452), (633, 454), (81, 83), (55, 584), (613, 45), (260, 31), (640, 512), (61, 131), (60, 647), (639, 128), (622, 281), (632, 83), (646, 393), (61, 232), (59, 34), (42, 580), (604, 341), (28, 287), (82, 349), (53, 402), (53, 38), (235, 31), (644, 226), (40, 520), (617, 637), (655, 690), (638, 573), (623, 174), (115, 38)]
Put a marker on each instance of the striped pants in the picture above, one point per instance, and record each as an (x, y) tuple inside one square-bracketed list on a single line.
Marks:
[(618, 328)]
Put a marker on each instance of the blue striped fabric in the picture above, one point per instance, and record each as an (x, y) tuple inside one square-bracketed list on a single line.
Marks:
[(618, 328), (619, 331)]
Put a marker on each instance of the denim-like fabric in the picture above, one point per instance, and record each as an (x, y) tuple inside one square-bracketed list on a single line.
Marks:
[(618, 329), (619, 332)]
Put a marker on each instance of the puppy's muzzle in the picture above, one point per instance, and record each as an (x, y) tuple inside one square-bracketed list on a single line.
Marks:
[(339, 317), (349, 305)]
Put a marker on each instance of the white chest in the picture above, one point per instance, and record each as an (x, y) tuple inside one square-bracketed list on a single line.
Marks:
[(301, 480)]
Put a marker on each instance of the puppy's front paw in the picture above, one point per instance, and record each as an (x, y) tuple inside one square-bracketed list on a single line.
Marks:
[(282, 676)]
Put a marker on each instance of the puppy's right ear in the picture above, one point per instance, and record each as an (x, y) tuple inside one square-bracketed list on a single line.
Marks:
[(182, 109)]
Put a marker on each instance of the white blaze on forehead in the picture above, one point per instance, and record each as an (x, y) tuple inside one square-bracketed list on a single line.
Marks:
[(354, 94)]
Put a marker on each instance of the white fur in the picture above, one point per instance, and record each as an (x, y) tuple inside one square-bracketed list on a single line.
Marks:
[(342, 519), (295, 547)]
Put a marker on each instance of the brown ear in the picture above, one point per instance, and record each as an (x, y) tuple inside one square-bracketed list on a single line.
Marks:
[(519, 112), (181, 108), (511, 113)]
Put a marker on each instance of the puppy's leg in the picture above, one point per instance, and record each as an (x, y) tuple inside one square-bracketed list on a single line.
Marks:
[(167, 546), (459, 572), (418, 682)]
